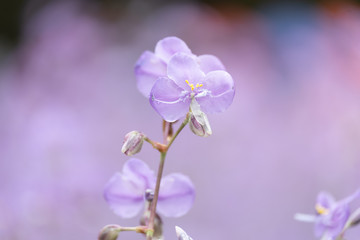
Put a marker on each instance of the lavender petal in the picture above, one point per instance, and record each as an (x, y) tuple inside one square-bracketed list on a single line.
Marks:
[(336, 220), (184, 70), (176, 196), (124, 197), (169, 100), (209, 63), (325, 200), (148, 69), (217, 92), (140, 173), (168, 46)]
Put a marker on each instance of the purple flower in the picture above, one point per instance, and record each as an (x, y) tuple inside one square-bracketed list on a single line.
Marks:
[(331, 216), (150, 66), (125, 191), (186, 81)]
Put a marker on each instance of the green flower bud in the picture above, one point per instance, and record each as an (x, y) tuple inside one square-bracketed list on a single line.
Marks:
[(109, 232)]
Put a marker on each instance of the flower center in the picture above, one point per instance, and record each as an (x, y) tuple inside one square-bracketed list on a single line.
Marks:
[(321, 210), (192, 85)]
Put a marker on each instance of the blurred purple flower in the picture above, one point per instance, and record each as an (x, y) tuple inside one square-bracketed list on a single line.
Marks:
[(186, 80), (331, 216), (125, 191)]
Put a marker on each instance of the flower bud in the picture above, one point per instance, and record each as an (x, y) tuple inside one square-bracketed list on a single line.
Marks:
[(132, 143), (181, 234), (199, 123), (109, 232), (149, 195)]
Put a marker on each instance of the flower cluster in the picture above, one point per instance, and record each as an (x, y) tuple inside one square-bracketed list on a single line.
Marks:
[(172, 77), (177, 83), (332, 217)]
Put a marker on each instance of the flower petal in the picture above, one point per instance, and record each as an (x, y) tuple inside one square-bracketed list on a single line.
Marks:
[(332, 223), (168, 46), (148, 69), (325, 200), (140, 173), (169, 100), (351, 198), (209, 63), (184, 70), (124, 197), (305, 217), (176, 196), (217, 92), (319, 228), (339, 217)]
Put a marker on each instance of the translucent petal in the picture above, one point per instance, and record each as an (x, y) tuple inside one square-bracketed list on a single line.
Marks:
[(319, 228), (169, 100), (177, 195), (168, 46), (140, 173), (124, 197), (184, 70), (325, 200), (209, 63), (148, 69), (332, 223), (217, 92), (335, 221)]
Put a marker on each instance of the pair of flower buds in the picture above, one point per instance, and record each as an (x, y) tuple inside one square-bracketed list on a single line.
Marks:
[(199, 125)]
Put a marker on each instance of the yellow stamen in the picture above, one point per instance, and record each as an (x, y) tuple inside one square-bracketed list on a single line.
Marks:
[(321, 210), (192, 85)]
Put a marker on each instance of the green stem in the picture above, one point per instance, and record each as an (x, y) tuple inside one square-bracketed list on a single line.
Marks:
[(112, 231), (183, 124), (150, 229), (156, 196), (150, 141)]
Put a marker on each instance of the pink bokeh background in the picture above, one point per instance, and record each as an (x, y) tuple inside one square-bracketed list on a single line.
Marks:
[(68, 96)]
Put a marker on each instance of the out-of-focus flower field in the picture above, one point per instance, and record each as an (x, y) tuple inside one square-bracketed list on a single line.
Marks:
[(68, 96)]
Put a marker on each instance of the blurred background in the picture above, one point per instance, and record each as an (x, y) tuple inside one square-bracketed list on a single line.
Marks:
[(68, 96)]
